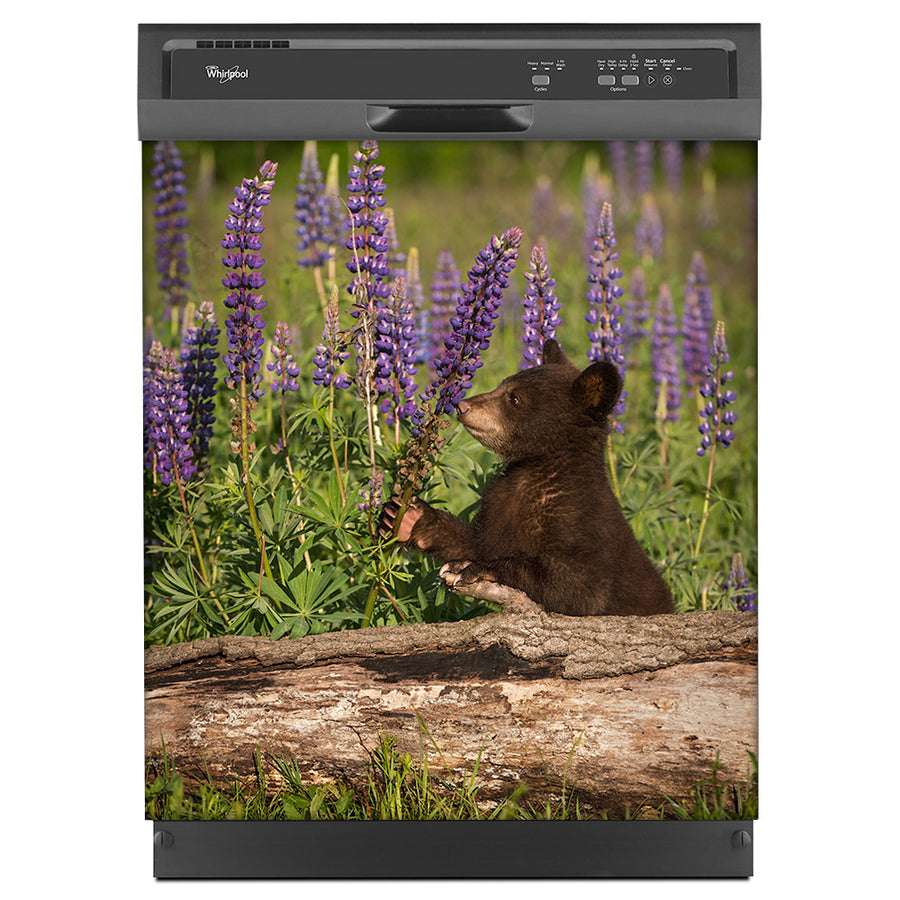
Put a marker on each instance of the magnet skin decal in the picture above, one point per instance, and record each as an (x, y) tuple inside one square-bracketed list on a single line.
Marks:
[(449, 465)]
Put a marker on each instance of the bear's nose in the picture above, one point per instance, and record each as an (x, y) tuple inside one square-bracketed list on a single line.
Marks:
[(463, 407)]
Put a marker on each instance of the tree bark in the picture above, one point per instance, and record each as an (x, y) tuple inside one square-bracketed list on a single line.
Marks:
[(645, 703)]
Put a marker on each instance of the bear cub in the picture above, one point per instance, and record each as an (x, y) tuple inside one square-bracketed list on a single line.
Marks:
[(550, 524)]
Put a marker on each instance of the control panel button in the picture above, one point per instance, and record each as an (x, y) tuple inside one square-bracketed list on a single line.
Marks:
[(606, 79), (651, 79), (631, 80), (668, 79), (540, 79)]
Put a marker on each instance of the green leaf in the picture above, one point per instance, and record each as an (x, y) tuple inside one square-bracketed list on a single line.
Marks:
[(267, 523), (334, 497), (349, 616), (280, 630), (273, 589), (304, 584), (278, 504)]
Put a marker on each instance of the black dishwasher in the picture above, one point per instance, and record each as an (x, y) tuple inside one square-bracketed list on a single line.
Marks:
[(449, 452)]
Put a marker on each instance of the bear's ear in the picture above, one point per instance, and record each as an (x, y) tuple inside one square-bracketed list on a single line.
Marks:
[(551, 354), (597, 389)]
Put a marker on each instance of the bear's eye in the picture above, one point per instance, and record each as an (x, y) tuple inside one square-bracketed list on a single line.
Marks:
[(513, 399)]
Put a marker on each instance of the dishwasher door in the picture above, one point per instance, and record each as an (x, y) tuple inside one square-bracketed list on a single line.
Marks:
[(449, 450)]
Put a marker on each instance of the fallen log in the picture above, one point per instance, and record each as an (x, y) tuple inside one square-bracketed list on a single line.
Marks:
[(647, 703)]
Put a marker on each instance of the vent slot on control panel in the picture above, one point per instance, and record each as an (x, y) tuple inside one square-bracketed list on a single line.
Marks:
[(207, 44)]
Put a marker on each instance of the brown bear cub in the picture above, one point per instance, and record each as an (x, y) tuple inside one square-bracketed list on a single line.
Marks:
[(549, 525)]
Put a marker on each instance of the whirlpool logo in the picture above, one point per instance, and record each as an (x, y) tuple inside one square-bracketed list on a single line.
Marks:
[(223, 75)]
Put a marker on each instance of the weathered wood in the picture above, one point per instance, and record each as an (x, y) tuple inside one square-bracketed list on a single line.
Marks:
[(511, 599), (649, 701)]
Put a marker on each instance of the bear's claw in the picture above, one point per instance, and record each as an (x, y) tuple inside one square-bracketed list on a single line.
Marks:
[(462, 572), (451, 573)]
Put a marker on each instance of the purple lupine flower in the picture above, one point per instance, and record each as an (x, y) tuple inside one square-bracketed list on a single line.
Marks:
[(171, 223), (414, 280), (717, 418), (737, 586), (471, 330), (244, 326), (619, 153), (370, 264), (371, 495), (330, 355), (473, 324), (648, 231), (284, 367), (672, 153), (397, 345), (367, 241), (664, 354), (590, 169), (540, 315), (637, 312), (198, 360), (397, 258), (152, 358), (149, 334), (337, 210), (700, 280), (703, 151), (595, 191), (417, 298), (543, 208), (169, 420), (566, 223), (643, 167), (696, 322), (286, 372), (604, 313), (446, 290), (588, 192), (314, 212)]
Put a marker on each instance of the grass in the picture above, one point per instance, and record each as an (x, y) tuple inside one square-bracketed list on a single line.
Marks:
[(716, 798), (398, 787)]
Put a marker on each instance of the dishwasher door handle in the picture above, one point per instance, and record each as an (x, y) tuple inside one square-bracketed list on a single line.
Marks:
[(447, 119)]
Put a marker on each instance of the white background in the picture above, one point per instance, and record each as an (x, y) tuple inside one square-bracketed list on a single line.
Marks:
[(72, 716)]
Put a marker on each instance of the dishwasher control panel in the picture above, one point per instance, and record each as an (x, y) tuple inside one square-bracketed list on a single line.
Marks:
[(684, 74), (293, 69)]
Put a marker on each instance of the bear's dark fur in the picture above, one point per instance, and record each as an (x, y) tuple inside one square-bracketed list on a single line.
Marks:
[(550, 524)]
